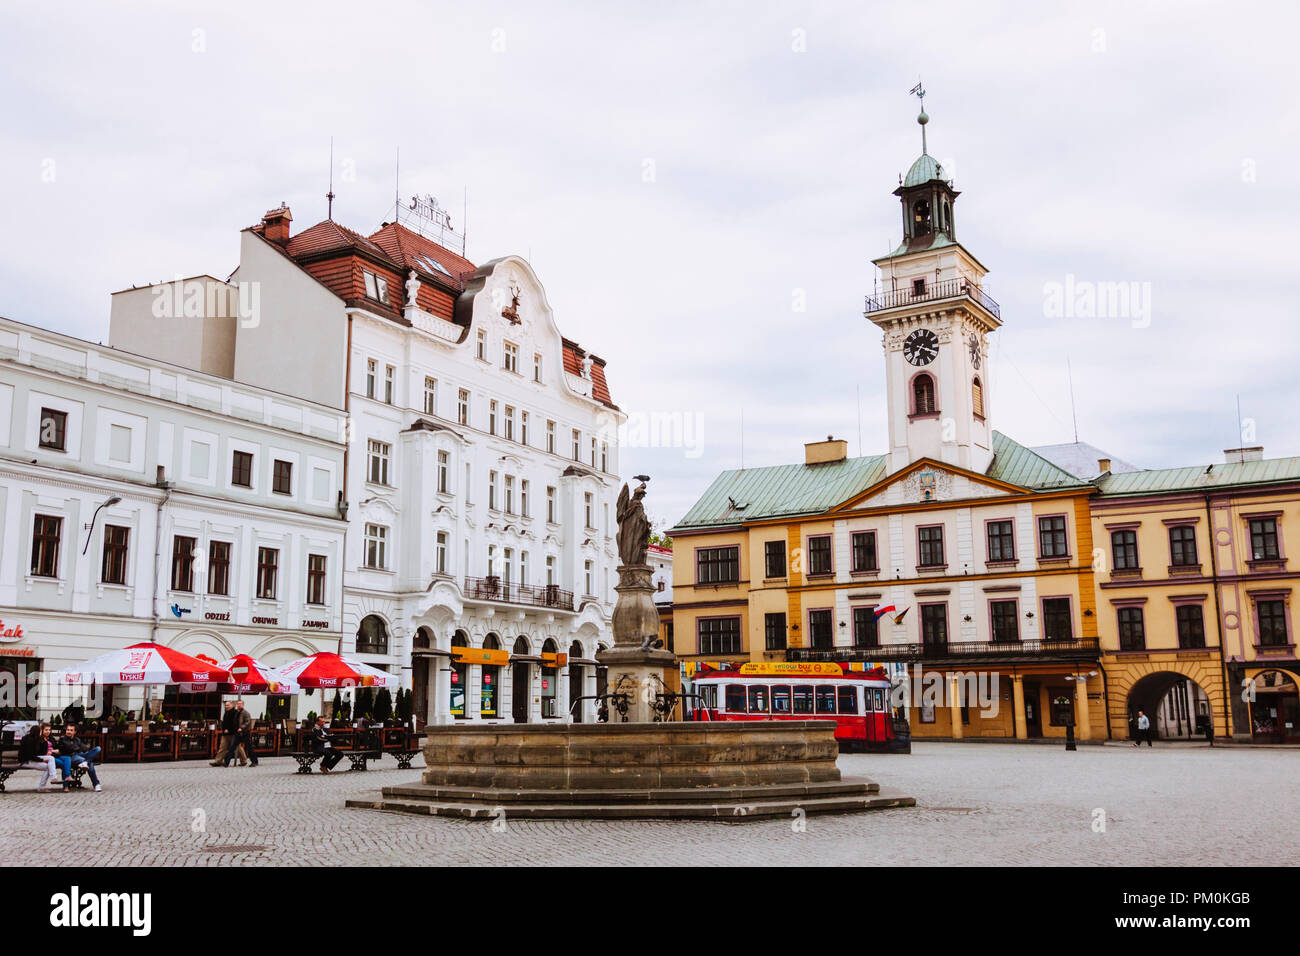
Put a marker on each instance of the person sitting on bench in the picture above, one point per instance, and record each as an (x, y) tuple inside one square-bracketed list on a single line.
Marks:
[(73, 751), (321, 744), (37, 748)]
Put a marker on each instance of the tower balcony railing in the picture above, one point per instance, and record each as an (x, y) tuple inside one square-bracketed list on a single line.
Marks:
[(493, 588), (948, 289), (1061, 649)]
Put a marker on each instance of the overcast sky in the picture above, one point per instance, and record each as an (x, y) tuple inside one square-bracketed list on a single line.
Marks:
[(683, 176)]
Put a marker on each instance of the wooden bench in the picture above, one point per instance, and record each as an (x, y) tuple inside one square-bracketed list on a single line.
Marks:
[(7, 770)]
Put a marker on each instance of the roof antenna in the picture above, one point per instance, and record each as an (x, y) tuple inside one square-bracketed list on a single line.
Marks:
[(742, 438), (464, 219), (329, 196), (397, 189), (859, 388), (1074, 415)]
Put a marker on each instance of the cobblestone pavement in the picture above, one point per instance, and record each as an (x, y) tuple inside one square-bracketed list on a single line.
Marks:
[(977, 804)]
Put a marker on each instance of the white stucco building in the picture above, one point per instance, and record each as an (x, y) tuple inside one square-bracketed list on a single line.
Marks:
[(145, 501), (481, 461)]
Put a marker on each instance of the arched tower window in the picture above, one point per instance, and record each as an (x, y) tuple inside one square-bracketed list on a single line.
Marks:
[(947, 219), (923, 395), (977, 397), (921, 217), (372, 636)]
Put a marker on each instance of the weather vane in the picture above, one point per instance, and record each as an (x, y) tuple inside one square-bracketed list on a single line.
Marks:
[(919, 92)]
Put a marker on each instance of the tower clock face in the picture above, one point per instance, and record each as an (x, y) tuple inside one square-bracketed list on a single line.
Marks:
[(921, 347), (973, 343)]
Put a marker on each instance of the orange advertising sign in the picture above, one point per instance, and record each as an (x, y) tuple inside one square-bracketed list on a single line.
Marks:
[(480, 655)]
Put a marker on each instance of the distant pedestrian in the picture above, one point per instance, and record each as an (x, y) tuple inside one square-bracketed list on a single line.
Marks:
[(1143, 730), (244, 736), (229, 735)]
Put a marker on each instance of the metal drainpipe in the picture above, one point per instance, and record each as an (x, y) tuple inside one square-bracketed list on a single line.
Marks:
[(1218, 623), (157, 552)]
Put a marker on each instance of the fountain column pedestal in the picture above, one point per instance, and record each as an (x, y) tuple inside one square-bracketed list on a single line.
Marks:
[(635, 668)]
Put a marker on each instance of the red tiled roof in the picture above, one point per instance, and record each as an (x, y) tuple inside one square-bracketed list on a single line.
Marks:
[(328, 236), (403, 245), (573, 355)]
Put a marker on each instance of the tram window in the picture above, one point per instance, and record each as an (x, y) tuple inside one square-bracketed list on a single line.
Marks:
[(709, 696), (848, 700), (879, 696), (781, 699), (736, 698), (758, 699), (826, 699), (803, 699)]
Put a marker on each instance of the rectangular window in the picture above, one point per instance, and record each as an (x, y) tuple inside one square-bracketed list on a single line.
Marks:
[(848, 699), (282, 477), (864, 551), (54, 429), (182, 563), (774, 559), (462, 406), (113, 567), (1272, 622), (550, 570), (604, 456), (1001, 541), (929, 547), (268, 566), (523, 567), (219, 568), (492, 490), (523, 428), (1056, 620), (774, 632), (510, 357), (430, 396), (587, 580), (241, 469), (440, 555), (718, 635), (510, 423), (523, 499), (507, 563), (717, 565), (537, 366), (376, 286), (577, 445), (492, 417), (587, 509), (444, 471), (376, 547), (550, 437), (550, 504), (593, 453), (316, 579), (865, 630), (510, 494), (482, 345), (819, 554), (821, 629), (379, 454), (119, 445), (372, 370), (1182, 546), (1051, 537), (1191, 626), (1132, 629), (934, 626), (390, 384), (1124, 549), (1004, 621), (1263, 539)]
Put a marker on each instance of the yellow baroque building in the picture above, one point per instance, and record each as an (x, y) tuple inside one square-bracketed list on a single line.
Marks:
[(1014, 592)]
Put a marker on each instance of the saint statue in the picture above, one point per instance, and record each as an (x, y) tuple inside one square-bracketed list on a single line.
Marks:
[(633, 526), (412, 288)]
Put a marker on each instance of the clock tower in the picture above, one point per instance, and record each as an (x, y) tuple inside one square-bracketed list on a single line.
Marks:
[(935, 320)]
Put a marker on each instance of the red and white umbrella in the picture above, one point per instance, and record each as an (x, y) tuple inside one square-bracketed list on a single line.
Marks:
[(248, 675), (328, 670), (143, 664)]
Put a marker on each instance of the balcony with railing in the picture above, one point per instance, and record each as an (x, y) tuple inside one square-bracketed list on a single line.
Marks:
[(934, 291), (1060, 649), (505, 592)]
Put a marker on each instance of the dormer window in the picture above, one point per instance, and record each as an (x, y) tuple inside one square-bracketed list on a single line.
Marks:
[(376, 287)]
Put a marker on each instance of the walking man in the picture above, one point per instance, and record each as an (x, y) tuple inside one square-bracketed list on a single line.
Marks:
[(229, 732), (1144, 730), (244, 735)]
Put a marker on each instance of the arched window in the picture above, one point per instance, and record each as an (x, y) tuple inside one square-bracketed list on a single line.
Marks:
[(490, 689), (923, 395), (550, 677), (921, 217), (977, 397), (372, 636), (947, 220), (459, 677)]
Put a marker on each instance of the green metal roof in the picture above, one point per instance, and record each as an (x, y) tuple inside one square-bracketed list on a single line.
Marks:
[(1201, 477), (923, 170), (787, 491)]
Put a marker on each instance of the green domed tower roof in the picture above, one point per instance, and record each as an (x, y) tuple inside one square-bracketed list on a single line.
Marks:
[(923, 170)]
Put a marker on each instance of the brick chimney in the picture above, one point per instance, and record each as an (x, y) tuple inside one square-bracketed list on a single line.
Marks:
[(1103, 465), (1239, 456), (820, 452), (275, 225)]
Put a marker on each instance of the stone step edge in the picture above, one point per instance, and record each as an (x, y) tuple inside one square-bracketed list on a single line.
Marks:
[(724, 812), (457, 794)]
